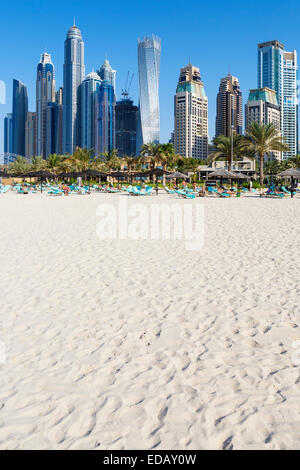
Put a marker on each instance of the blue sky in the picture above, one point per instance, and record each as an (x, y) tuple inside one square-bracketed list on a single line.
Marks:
[(213, 35)]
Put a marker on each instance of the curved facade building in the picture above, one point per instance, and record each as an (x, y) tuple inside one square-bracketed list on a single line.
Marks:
[(149, 51), (45, 93), (89, 91), (73, 77)]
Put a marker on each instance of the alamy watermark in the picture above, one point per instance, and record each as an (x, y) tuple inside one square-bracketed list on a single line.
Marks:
[(2, 92), (154, 221), (296, 354)]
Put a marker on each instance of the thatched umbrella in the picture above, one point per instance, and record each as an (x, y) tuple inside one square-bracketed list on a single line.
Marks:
[(177, 175), (42, 174), (222, 174), (118, 175), (293, 174), (241, 176), (157, 172)]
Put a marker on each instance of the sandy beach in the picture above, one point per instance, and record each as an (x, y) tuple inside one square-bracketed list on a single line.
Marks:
[(122, 344)]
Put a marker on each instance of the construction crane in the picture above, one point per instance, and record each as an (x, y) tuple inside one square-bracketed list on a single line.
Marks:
[(125, 90)]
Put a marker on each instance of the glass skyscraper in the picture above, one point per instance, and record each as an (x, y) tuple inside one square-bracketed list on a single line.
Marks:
[(8, 140), (45, 93), (107, 73), (290, 104), (19, 116), (278, 70), (73, 77), (89, 92), (149, 51), (126, 124), (105, 135)]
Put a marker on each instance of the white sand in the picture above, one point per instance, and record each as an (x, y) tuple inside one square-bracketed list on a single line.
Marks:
[(127, 345)]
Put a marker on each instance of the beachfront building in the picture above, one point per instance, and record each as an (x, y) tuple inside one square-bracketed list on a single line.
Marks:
[(290, 104), (54, 116), (19, 116), (45, 93), (74, 72), (89, 93), (8, 140), (263, 107), (149, 52), (30, 135), (278, 70), (106, 73), (190, 113), (229, 107), (126, 126), (105, 133)]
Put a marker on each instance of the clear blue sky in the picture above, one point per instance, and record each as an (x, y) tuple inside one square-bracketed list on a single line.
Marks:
[(213, 34)]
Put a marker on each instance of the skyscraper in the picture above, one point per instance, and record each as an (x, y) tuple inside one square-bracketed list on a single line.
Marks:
[(107, 73), (278, 70), (45, 93), (8, 128), (105, 135), (149, 51), (19, 116), (73, 77), (191, 121), (30, 135), (290, 104), (229, 107), (89, 92), (263, 107), (126, 125), (270, 67)]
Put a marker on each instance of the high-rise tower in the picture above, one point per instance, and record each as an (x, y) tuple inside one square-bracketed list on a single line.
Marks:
[(73, 77), (149, 51), (105, 134), (191, 121), (89, 93), (19, 116), (229, 107), (107, 73), (45, 93), (278, 70)]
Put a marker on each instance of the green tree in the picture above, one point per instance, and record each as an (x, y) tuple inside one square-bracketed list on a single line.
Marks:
[(227, 148), (19, 166), (263, 139)]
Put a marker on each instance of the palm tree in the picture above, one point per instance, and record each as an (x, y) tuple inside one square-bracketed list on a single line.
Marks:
[(19, 166), (54, 162), (111, 159), (81, 158), (190, 164), (263, 139), (226, 148), (38, 163), (152, 152)]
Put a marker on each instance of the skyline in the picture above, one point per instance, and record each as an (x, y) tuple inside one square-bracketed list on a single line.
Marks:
[(212, 54)]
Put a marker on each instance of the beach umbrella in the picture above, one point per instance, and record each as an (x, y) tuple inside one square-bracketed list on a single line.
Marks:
[(293, 174), (178, 175), (118, 175), (222, 174), (241, 176), (42, 174), (92, 173)]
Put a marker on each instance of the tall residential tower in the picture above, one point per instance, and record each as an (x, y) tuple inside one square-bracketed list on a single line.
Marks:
[(229, 107), (191, 121), (149, 51), (45, 93), (278, 70), (73, 77)]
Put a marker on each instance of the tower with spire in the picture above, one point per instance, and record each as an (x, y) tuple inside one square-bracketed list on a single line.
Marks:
[(74, 72)]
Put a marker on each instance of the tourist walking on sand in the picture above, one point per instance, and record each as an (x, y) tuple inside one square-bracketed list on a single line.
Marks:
[(250, 186)]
